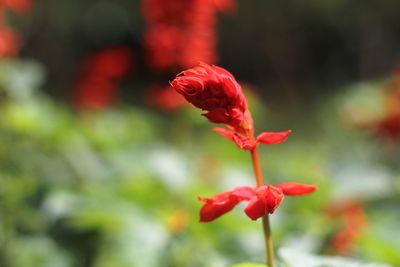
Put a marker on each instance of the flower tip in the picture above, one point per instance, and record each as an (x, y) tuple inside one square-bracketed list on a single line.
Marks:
[(202, 199), (272, 138), (297, 189)]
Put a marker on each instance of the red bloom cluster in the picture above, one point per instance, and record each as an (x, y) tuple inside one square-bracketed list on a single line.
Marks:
[(10, 41), (100, 76), (181, 33), (389, 126), (354, 222), (215, 90), (262, 200), (18, 6)]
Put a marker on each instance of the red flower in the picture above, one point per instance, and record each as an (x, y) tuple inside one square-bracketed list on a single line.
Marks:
[(100, 75), (19, 6), (110, 63), (215, 90), (243, 142), (222, 203), (262, 200), (389, 127), (10, 42), (181, 33), (353, 224), (95, 93), (225, 5)]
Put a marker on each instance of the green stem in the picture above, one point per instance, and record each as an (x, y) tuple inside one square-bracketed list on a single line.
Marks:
[(265, 220)]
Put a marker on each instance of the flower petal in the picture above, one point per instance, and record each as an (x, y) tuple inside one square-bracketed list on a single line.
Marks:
[(220, 204), (225, 132), (272, 138), (267, 200), (296, 189), (255, 209), (241, 141), (244, 192), (218, 115)]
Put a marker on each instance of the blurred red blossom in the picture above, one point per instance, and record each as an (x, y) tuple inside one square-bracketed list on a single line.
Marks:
[(100, 75), (262, 200), (95, 93), (215, 90), (10, 42), (389, 125), (225, 5), (18, 6), (164, 98), (181, 33), (354, 221), (111, 63)]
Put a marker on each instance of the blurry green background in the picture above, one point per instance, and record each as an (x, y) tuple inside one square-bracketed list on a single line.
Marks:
[(118, 186)]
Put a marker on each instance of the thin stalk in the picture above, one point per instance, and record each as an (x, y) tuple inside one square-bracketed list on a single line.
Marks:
[(265, 220)]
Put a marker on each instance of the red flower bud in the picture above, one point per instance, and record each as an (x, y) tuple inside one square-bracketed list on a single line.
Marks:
[(215, 90)]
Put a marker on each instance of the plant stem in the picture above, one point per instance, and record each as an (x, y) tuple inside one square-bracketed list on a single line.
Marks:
[(265, 220), (268, 241)]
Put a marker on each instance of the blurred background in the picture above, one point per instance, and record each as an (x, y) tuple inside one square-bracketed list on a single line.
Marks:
[(101, 162)]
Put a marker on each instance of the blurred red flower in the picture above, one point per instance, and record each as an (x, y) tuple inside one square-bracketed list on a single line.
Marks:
[(19, 6), (96, 93), (10, 42), (389, 125), (354, 221), (111, 63), (262, 200), (181, 33), (100, 75)]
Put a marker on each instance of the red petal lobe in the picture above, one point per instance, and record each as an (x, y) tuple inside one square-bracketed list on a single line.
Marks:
[(220, 204), (241, 141), (255, 209), (225, 132), (272, 138), (266, 201), (296, 189)]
